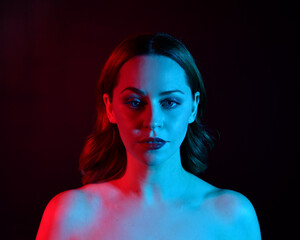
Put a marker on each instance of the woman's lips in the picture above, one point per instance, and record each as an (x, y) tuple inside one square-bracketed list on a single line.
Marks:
[(152, 143)]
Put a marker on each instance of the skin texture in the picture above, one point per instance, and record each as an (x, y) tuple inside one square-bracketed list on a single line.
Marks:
[(156, 198)]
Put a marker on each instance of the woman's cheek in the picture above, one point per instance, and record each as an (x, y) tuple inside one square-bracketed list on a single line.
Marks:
[(127, 124), (179, 116), (123, 115)]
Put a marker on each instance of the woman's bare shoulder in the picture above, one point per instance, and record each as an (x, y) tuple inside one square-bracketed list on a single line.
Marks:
[(71, 211), (233, 208), (227, 208), (228, 202), (81, 199), (225, 201)]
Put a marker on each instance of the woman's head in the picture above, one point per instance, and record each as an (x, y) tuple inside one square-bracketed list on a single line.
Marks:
[(148, 66), (152, 105)]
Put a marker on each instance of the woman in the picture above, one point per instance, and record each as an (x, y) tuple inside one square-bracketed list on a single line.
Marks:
[(141, 162)]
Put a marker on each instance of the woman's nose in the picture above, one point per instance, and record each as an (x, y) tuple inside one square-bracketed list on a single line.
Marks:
[(153, 117)]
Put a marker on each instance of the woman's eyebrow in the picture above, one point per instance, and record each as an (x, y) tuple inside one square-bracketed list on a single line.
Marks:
[(133, 89), (138, 91), (169, 92)]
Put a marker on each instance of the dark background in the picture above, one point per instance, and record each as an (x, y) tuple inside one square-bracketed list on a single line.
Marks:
[(51, 56)]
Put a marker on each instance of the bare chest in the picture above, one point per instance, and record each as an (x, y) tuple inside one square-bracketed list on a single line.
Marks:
[(155, 223)]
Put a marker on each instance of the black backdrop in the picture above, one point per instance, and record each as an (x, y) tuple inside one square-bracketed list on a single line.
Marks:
[(51, 57)]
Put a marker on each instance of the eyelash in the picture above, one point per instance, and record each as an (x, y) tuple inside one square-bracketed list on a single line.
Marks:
[(141, 104)]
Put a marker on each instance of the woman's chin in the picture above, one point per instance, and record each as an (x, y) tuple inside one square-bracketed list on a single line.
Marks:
[(149, 159)]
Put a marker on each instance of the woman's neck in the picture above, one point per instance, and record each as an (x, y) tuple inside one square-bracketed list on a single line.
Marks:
[(167, 181)]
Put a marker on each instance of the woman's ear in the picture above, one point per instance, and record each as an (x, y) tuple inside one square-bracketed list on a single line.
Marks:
[(195, 107), (109, 110)]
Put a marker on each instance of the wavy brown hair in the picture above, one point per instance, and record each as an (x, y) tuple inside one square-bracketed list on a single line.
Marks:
[(104, 156)]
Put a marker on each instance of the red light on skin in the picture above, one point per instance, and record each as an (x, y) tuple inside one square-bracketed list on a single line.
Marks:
[(69, 213)]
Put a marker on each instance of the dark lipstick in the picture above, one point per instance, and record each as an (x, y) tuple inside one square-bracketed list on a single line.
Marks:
[(152, 143)]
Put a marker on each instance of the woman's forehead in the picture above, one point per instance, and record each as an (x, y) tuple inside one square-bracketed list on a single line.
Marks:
[(152, 72)]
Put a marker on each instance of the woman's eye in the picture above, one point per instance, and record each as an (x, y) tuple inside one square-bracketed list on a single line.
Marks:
[(134, 104), (169, 103)]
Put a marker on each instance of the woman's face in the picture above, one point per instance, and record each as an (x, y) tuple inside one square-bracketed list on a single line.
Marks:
[(152, 106)]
